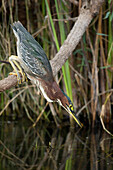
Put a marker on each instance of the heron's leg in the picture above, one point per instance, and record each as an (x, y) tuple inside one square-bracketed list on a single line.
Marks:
[(14, 61)]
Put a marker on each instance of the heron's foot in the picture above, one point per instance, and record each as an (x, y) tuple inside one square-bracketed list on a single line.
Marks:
[(18, 71), (20, 77)]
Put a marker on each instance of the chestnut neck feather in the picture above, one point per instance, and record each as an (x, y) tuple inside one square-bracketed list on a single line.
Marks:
[(53, 91)]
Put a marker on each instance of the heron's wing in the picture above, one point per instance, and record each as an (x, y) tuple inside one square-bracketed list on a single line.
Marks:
[(32, 53)]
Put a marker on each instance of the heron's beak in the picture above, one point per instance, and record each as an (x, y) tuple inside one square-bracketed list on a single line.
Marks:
[(75, 117)]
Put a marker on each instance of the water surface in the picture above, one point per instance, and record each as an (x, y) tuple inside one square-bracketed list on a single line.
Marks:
[(47, 147)]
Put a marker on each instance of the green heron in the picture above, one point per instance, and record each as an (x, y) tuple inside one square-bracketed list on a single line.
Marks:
[(32, 61)]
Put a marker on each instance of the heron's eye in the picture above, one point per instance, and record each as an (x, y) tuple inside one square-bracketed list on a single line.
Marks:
[(71, 107)]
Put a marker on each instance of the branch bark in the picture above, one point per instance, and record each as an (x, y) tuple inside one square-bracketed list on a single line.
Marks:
[(88, 11)]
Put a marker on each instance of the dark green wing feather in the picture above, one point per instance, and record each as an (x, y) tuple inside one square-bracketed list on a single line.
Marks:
[(32, 53)]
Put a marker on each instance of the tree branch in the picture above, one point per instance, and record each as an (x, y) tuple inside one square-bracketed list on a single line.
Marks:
[(8, 83), (88, 11)]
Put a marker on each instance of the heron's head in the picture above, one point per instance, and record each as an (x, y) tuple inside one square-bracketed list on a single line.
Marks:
[(66, 103)]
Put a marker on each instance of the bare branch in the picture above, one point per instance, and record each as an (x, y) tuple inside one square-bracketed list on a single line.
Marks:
[(8, 83), (74, 2), (75, 35)]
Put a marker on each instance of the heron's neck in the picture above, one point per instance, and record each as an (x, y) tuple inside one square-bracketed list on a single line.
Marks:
[(45, 94), (51, 91)]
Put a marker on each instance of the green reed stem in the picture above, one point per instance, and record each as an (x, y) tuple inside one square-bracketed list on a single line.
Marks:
[(65, 68), (110, 44)]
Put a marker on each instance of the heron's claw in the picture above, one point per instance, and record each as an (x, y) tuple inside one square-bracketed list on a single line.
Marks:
[(18, 71), (20, 78)]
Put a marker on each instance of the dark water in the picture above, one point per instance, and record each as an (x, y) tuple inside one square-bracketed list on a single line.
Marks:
[(46, 147)]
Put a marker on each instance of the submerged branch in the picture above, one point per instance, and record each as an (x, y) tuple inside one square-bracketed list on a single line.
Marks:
[(73, 38)]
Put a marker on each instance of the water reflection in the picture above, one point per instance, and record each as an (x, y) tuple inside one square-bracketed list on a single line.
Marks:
[(46, 147)]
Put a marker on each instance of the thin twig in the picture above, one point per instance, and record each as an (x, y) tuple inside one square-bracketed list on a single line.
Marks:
[(13, 99), (38, 118)]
